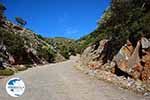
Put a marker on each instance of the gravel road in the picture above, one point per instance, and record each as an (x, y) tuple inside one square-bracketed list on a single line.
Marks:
[(61, 81)]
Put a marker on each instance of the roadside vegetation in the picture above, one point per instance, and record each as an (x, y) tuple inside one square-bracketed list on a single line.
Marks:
[(6, 72)]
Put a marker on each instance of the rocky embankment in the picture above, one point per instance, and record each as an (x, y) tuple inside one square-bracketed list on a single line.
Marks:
[(129, 68)]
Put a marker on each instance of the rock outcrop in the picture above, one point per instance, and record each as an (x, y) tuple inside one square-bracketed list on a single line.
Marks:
[(93, 53), (129, 68), (130, 61), (137, 65)]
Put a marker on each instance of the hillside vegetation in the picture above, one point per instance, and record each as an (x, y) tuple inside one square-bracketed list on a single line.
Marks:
[(122, 20), (64, 46)]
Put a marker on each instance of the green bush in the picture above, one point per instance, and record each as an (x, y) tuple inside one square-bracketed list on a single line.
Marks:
[(64, 46), (47, 53), (40, 36), (13, 42), (6, 72)]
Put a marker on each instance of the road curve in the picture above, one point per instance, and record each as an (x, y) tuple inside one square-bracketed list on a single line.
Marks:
[(61, 81)]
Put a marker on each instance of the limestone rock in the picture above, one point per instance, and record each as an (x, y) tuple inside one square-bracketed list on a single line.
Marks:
[(94, 52), (123, 56), (11, 59), (145, 42), (125, 52), (132, 63)]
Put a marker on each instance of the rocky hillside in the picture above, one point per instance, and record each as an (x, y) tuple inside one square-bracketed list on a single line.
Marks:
[(120, 46), (19, 45), (121, 21)]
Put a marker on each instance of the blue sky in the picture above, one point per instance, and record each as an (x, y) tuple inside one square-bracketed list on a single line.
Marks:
[(58, 18)]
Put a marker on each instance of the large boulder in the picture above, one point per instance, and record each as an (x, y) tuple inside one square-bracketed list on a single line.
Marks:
[(125, 52), (135, 62), (128, 60), (94, 53)]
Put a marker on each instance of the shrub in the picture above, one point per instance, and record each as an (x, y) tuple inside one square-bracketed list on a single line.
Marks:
[(47, 53), (6, 72), (20, 21)]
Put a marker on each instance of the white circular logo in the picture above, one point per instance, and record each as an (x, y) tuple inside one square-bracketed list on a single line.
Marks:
[(15, 87)]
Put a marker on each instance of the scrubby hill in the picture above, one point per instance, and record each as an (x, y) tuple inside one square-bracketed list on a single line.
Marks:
[(24, 46), (120, 45), (19, 45), (64, 46)]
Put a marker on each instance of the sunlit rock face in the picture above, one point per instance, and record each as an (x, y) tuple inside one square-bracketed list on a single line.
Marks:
[(131, 61), (135, 61), (129, 68), (94, 54), (128, 60)]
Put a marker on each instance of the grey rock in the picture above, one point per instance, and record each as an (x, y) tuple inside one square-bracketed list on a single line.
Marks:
[(145, 43), (94, 52)]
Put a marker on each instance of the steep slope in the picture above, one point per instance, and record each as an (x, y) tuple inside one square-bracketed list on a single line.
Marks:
[(23, 45), (120, 46), (121, 21)]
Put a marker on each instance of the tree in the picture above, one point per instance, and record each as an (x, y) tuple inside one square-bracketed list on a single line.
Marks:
[(20, 21), (2, 9)]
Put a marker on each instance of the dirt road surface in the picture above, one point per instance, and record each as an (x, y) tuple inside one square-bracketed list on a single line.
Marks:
[(61, 81)]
